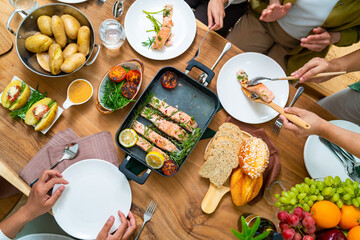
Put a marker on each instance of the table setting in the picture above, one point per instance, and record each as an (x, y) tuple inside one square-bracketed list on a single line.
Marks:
[(108, 148)]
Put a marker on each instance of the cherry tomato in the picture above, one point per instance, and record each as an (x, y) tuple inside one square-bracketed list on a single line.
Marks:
[(169, 80), (117, 73), (40, 111), (13, 93), (128, 90), (133, 76), (170, 167)]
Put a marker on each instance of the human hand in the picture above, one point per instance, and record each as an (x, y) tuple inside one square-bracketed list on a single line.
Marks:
[(311, 68), (320, 39), (216, 14), (125, 230), (274, 12), (39, 202), (314, 120)]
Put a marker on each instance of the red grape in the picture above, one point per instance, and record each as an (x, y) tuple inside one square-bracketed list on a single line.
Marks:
[(293, 220), (308, 222), (307, 214), (299, 212), (308, 237), (288, 234), (283, 216), (284, 225), (297, 236), (311, 229)]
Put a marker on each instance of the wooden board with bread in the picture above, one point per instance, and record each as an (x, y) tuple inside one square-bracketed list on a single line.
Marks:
[(235, 154)]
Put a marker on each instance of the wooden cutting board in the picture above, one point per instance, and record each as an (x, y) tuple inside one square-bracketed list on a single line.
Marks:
[(5, 40)]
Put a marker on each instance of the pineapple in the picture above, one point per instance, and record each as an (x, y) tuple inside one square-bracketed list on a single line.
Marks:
[(249, 232)]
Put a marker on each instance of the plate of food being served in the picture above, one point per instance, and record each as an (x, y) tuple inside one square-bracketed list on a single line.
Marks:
[(160, 30), (233, 77)]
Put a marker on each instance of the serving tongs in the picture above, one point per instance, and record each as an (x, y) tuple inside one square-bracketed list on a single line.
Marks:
[(258, 80), (293, 118)]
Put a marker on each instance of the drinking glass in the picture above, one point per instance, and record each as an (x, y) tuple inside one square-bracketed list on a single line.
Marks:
[(26, 5), (112, 34)]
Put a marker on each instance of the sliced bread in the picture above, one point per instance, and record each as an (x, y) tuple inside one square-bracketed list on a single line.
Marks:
[(222, 142), (231, 127), (237, 137)]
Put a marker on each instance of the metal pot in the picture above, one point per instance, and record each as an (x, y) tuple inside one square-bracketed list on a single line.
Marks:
[(29, 27)]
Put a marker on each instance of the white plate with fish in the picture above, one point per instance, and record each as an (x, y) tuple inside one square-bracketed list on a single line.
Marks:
[(234, 100), (137, 25)]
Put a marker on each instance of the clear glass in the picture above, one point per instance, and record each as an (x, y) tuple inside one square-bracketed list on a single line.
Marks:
[(24, 4), (112, 34)]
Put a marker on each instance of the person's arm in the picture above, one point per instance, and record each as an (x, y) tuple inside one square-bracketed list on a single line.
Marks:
[(275, 11), (348, 63), (348, 140), (38, 203), (216, 14), (320, 39)]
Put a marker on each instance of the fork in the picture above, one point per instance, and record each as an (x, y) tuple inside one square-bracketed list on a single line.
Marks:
[(100, 2), (198, 50), (278, 123), (147, 215)]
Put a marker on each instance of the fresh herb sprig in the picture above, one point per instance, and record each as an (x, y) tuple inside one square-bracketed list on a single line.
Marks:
[(113, 98), (35, 97), (148, 42), (157, 24)]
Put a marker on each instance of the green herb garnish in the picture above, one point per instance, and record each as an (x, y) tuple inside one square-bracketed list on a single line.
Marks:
[(113, 98), (157, 24), (35, 97), (149, 42)]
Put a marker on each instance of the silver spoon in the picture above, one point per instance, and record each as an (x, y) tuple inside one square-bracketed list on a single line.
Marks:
[(69, 152), (118, 8), (203, 76)]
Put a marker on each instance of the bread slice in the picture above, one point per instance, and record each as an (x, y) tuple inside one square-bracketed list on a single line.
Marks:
[(219, 166), (222, 142), (237, 137), (231, 127)]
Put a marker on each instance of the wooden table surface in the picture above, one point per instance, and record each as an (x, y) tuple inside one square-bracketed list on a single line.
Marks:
[(178, 215)]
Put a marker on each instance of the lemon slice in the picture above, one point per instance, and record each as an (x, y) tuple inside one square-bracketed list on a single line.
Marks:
[(154, 160), (128, 137)]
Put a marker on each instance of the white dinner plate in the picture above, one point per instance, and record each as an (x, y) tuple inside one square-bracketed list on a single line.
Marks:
[(320, 161), (45, 236), (234, 100), (96, 190), (72, 1), (136, 24)]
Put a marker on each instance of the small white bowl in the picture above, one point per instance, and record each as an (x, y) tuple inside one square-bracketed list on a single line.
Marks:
[(69, 103)]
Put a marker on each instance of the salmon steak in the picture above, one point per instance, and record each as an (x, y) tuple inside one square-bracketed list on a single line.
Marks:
[(148, 147), (164, 34)]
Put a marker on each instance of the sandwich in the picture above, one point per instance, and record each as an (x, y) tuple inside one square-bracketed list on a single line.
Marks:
[(15, 95)]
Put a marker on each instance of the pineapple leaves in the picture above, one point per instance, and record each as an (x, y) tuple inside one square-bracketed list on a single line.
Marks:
[(262, 236), (236, 233), (254, 227), (249, 232), (245, 227)]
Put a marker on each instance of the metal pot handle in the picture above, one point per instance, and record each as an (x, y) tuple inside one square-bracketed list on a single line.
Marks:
[(96, 54), (130, 175), (11, 18), (208, 71)]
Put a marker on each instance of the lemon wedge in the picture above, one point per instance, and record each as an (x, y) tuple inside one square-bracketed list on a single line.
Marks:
[(128, 137), (154, 160)]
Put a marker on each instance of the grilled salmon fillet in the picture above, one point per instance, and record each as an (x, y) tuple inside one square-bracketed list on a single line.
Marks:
[(260, 89), (147, 147), (170, 128), (154, 137), (175, 114), (165, 32)]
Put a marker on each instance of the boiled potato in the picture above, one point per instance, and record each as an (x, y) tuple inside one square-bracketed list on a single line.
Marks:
[(58, 29), (56, 58), (30, 118), (71, 26), (70, 49), (44, 24), (83, 40), (38, 43), (73, 62), (48, 118)]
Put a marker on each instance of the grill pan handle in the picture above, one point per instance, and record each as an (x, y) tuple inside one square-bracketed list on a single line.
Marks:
[(193, 63), (130, 175)]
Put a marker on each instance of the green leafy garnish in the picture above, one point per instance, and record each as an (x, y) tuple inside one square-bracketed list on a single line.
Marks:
[(113, 98), (35, 97), (249, 232), (149, 42), (154, 12), (157, 24)]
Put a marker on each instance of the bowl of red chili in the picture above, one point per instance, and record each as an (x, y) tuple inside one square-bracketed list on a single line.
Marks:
[(119, 86)]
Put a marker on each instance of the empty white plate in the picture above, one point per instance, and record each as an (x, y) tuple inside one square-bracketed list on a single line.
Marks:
[(234, 100), (96, 190)]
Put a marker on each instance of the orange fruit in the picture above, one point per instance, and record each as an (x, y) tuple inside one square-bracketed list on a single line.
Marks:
[(326, 214), (350, 217), (354, 233)]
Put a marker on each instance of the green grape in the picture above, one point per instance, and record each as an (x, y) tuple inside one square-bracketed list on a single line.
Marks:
[(306, 207), (313, 197), (285, 200), (293, 189), (292, 195), (288, 208), (321, 185), (335, 197), (355, 184), (327, 191), (348, 202), (337, 180), (320, 197), (307, 180), (346, 196), (358, 198), (355, 202), (306, 188), (349, 190), (301, 196), (277, 195), (277, 204), (282, 208), (285, 194), (340, 190), (348, 181), (312, 182), (301, 201), (293, 201), (339, 203), (312, 189), (306, 198), (317, 191), (298, 188), (310, 203), (329, 181)]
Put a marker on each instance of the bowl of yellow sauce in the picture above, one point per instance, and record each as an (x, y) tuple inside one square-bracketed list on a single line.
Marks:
[(78, 92)]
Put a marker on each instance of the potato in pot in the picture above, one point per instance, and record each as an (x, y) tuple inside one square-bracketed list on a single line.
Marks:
[(38, 43), (83, 40), (73, 62), (71, 26), (58, 29), (56, 58), (44, 24), (70, 49)]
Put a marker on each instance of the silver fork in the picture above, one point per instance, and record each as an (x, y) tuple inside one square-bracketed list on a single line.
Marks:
[(147, 215), (100, 2), (198, 50), (278, 123)]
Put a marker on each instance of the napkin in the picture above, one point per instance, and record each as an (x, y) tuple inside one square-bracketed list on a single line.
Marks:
[(273, 170), (96, 146)]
